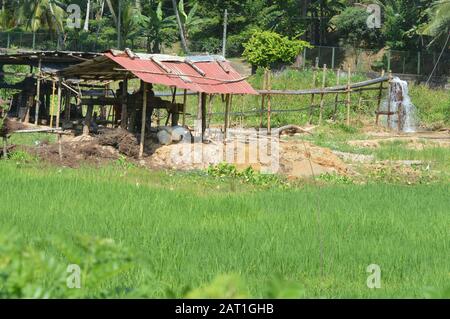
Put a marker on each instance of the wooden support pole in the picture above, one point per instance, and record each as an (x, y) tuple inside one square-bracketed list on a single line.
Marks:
[(38, 93), (227, 112), (263, 98), (67, 107), (203, 113), (400, 117), (311, 108), (5, 147), (269, 101), (349, 100), (173, 116), (336, 98), (58, 109), (184, 107), (380, 94), (210, 106), (87, 119), (124, 115), (60, 147), (144, 120), (324, 77), (52, 103), (389, 100)]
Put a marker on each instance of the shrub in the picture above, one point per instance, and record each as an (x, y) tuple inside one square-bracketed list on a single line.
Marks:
[(266, 48)]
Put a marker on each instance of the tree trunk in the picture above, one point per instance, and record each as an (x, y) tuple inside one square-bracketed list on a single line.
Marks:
[(111, 9), (88, 14), (180, 27)]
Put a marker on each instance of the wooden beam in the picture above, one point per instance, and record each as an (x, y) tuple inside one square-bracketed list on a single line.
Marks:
[(324, 78), (38, 93), (58, 110), (380, 93), (227, 115), (184, 107), (203, 97), (124, 117), (269, 101), (144, 120), (336, 98), (348, 95)]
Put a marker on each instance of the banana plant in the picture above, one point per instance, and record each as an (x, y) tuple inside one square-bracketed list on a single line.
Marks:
[(154, 25)]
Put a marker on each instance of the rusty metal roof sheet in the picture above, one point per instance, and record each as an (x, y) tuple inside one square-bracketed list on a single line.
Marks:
[(208, 74)]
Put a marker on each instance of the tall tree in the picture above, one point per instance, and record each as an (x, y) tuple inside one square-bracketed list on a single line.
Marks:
[(180, 27)]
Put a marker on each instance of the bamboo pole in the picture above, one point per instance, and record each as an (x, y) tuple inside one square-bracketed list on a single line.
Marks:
[(143, 122), (52, 102), (380, 93), (263, 98), (184, 107), (38, 92), (58, 110), (269, 101), (324, 77), (336, 98), (348, 95)]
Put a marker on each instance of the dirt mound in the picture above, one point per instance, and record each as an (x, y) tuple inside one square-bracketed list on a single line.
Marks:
[(73, 154), (303, 159), (295, 159), (10, 126), (125, 142)]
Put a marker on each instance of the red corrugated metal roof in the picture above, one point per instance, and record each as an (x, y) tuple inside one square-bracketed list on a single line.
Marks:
[(179, 72)]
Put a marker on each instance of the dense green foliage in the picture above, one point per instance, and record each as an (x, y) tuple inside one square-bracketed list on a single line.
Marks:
[(267, 48), (135, 233), (406, 25)]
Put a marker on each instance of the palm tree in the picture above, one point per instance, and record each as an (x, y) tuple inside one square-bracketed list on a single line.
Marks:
[(439, 25), (43, 14)]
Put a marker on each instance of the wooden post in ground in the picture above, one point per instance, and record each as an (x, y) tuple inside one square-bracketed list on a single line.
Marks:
[(124, 115), (5, 147), (324, 77), (400, 117), (143, 121), (269, 101), (311, 108), (38, 93), (203, 115), (336, 98), (263, 98), (87, 119), (58, 109), (389, 100), (60, 147), (348, 102), (380, 94), (52, 103), (227, 111), (184, 107), (210, 106), (67, 107)]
